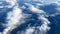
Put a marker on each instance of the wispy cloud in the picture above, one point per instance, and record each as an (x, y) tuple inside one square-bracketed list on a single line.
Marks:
[(44, 27), (45, 22), (13, 19)]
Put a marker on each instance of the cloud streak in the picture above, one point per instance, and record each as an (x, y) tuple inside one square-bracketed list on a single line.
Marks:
[(13, 19), (45, 22)]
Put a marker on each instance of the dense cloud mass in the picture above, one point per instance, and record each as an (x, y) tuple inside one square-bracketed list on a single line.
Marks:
[(29, 17)]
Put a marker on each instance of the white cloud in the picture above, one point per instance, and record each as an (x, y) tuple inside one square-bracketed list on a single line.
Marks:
[(1, 6), (29, 30), (11, 3), (0, 33), (45, 22), (35, 10), (44, 27), (13, 19)]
